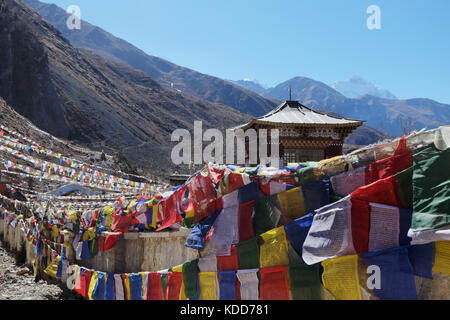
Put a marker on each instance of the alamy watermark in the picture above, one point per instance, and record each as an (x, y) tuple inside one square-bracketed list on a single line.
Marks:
[(374, 20), (374, 280), (74, 20), (238, 147)]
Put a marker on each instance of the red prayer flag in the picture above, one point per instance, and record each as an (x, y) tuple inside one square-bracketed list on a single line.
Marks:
[(360, 216), (216, 174), (229, 263), (154, 288), (101, 243), (94, 218), (111, 240), (121, 223), (202, 192), (245, 221), (174, 280), (382, 191), (170, 212), (82, 285), (234, 182), (274, 284), (390, 166)]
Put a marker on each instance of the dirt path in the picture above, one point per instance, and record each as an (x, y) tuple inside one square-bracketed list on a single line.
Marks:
[(18, 283)]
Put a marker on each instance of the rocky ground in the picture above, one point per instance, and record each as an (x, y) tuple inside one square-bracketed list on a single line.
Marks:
[(18, 283)]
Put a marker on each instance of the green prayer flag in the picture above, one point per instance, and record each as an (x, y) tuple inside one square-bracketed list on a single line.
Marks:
[(190, 279), (164, 284), (305, 281), (248, 254), (431, 188), (405, 187), (263, 215)]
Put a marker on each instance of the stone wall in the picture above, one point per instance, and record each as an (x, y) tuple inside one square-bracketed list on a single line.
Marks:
[(136, 252)]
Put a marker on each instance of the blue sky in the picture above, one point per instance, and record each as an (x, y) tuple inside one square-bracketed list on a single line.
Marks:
[(273, 41)]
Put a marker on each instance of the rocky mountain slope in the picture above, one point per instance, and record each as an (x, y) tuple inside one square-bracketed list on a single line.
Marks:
[(250, 84), (238, 94), (75, 94), (164, 72)]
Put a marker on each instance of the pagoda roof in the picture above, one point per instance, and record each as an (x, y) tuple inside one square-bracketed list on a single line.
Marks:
[(293, 113)]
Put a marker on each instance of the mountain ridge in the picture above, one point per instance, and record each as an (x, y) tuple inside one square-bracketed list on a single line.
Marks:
[(357, 86), (186, 80), (393, 116), (75, 94)]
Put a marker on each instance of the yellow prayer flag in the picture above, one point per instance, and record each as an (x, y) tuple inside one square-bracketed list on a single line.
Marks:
[(155, 215), (340, 277), (292, 203), (127, 287), (239, 170), (273, 251), (144, 276), (182, 293), (178, 268), (92, 284), (52, 268), (207, 285), (442, 257)]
